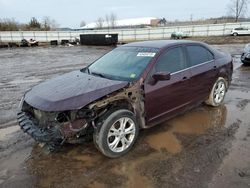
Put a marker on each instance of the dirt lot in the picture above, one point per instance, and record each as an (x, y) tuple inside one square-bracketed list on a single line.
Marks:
[(205, 147)]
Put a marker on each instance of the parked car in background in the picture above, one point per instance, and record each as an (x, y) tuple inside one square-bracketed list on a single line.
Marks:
[(133, 87), (179, 35), (30, 43), (245, 57), (240, 31)]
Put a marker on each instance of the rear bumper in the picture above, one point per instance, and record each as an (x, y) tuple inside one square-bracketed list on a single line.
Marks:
[(29, 126)]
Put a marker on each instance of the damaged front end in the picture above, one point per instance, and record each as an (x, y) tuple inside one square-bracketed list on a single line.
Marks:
[(55, 128), (77, 126)]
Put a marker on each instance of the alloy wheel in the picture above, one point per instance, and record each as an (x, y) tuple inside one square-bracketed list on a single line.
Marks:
[(121, 134), (219, 92)]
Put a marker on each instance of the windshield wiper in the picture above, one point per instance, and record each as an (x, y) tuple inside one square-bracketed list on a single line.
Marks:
[(88, 71), (85, 70), (98, 74)]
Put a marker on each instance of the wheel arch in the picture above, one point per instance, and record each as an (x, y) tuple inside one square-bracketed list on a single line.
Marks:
[(121, 103), (131, 98), (224, 74)]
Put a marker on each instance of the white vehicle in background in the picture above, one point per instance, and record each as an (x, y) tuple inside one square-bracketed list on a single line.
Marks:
[(179, 35), (240, 31)]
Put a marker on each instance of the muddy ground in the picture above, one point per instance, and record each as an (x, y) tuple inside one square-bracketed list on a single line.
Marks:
[(205, 147)]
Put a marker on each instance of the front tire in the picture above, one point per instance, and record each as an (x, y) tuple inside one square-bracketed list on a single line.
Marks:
[(117, 134), (217, 93)]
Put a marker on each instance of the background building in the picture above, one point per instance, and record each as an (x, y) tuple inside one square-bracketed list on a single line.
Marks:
[(124, 23)]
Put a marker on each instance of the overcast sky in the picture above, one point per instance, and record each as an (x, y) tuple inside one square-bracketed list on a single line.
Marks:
[(69, 13)]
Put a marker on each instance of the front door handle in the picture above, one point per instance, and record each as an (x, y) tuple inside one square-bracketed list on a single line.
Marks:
[(184, 78)]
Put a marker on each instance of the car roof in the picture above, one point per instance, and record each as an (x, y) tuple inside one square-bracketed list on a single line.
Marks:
[(160, 43)]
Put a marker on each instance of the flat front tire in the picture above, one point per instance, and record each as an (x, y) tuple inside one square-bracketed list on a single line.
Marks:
[(117, 134), (217, 93)]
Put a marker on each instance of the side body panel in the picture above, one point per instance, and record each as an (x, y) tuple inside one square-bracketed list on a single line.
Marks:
[(185, 89), (166, 98), (203, 76)]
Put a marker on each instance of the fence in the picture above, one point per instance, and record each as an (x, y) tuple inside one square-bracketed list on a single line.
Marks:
[(125, 35)]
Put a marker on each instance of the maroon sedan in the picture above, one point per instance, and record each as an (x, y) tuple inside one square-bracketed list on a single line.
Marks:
[(137, 85)]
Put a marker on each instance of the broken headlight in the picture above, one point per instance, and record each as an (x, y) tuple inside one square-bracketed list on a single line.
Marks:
[(62, 117)]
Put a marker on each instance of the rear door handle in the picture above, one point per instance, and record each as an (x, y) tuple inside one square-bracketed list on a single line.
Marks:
[(184, 78)]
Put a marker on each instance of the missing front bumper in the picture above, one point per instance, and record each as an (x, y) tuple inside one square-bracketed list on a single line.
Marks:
[(29, 126)]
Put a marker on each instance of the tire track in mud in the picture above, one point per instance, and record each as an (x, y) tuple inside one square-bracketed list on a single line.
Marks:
[(186, 169)]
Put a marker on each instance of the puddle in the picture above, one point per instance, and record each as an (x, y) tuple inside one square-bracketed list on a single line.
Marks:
[(83, 165), (193, 123)]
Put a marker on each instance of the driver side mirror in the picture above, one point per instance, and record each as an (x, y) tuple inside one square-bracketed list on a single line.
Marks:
[(160, 76)]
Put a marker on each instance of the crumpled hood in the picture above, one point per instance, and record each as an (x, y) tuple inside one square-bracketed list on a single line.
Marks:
[(70, 91)]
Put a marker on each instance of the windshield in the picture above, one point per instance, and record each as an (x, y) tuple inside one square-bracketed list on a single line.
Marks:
[(123, 63)]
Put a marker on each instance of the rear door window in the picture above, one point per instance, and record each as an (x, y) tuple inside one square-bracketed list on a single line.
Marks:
[(172, 60), (198, 55)]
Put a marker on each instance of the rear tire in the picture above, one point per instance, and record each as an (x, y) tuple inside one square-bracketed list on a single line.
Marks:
[(217, 93), (117, 134)]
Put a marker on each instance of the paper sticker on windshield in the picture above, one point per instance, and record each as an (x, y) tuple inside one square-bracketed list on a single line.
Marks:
[(133, 75), (145, 54)]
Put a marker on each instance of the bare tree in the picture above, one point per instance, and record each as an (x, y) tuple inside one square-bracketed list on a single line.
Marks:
[(112, 20), (83, 23), (163, 22), (49, 24), (107, 20), (34, 24), (99, 23), (238, 8), (7, 24), (46, 23), (54, 25)]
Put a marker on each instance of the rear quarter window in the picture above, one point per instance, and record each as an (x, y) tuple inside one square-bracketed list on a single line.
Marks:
[(198, 54)]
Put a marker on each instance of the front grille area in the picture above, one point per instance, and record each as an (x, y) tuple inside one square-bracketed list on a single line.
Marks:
[(43, 119), (29, 125), (51, 127)]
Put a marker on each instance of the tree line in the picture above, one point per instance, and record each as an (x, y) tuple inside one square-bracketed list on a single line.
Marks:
[(237, 9), (109, 21), (47, 24)]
